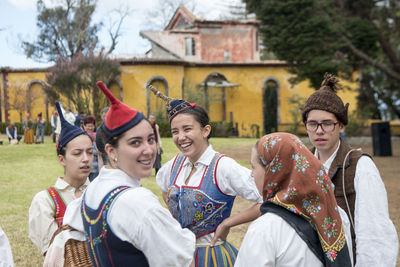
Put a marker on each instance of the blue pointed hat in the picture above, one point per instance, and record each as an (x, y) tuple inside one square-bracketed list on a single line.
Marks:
[(174, 106), (68, 131), (120, 117)]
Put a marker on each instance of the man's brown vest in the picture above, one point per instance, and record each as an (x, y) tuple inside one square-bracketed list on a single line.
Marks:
[(336, 173)]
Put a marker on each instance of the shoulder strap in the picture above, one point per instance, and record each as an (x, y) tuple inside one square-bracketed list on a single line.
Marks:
[(212, 171), (176, 166), (104, 207), (302, 227), (59, 204)]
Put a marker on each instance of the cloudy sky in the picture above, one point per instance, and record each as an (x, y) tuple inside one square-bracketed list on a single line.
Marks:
[(18, 22)]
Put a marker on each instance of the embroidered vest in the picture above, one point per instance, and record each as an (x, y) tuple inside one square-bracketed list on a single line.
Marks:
[(104, 247), (200, 209), (336, 173), (59, 204)]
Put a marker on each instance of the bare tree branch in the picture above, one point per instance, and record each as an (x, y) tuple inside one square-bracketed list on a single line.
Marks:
[(114, 30)]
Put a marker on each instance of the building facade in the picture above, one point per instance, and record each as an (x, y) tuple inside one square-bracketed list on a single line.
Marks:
[(214, 63)]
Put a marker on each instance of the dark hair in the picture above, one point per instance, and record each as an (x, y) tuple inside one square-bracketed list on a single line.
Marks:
[(62, 150), (101, 144), (199, 114), (113, 140), (89, 119)]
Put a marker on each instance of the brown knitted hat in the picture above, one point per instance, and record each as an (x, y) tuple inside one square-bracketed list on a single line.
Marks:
[(326, 99)]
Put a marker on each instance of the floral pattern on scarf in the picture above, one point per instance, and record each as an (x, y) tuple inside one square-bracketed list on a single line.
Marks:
[(296, 180)]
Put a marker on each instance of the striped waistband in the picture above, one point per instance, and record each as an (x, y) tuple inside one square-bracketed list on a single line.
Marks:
[(206, 244)]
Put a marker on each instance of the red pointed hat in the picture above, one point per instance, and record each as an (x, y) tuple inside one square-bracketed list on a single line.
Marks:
[(120, 117)]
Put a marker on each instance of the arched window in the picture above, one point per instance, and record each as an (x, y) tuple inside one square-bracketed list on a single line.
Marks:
[(34, 98), (270, 105), (154, 104), (215, 99)]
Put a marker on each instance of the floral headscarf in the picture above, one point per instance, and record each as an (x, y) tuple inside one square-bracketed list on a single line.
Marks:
[(296, 180)]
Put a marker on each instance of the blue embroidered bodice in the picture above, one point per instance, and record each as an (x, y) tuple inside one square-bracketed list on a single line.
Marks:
[(200, 209), (105, 248)]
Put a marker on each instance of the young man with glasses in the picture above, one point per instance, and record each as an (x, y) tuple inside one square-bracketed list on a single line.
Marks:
[(359, 190)]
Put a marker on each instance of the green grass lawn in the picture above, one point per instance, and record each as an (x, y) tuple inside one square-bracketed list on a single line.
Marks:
[(28, 169)]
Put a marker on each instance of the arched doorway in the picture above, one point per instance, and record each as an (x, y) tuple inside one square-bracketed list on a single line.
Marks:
[(216, 100), (154, 104), (270, 105), (34, 101)]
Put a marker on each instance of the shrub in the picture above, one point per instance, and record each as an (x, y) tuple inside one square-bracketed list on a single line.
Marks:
[(221, 128), (355, 125), (164, 128), (20, 126)]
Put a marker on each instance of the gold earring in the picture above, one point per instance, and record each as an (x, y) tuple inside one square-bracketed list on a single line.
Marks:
[(115, 160)]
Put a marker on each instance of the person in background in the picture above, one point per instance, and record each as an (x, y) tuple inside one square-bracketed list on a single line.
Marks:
[(359, 189), (78, 119), (58, 251), (53, 122), (12, 134), (301, 224), (75, 154), (100, 157), (69, 116), (157, 163), (28, 130), (140, 232), (199, 185), (89, 125), (40, 124), (6, 258), (103, 113)]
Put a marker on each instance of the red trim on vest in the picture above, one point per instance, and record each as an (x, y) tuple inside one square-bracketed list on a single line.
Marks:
[(173, 164), (180, 168), (215, 175), (201, 181), (59, 204)]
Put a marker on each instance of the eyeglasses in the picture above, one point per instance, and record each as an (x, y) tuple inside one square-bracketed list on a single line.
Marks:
[(326, 126)]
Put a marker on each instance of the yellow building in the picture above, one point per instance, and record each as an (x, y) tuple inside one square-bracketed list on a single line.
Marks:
[(240, 93)]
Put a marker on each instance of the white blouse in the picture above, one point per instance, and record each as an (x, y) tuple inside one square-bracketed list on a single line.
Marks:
[(42, 222), (271, 242), (136, 216), (6, 259), (376, 237), (232, 178)]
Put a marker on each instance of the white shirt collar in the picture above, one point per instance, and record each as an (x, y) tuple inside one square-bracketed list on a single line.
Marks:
[(329, 161), (62, 184), (205, 158), (119, 175)]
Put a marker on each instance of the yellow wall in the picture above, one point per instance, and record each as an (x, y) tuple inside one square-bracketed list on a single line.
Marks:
[(245, 102), (18, 83)]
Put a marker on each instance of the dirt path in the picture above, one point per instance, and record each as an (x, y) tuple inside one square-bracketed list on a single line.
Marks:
[(389, 168)]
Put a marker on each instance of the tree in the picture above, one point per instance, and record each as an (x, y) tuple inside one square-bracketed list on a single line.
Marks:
[(65, 30), (76, 79), (159, 17), (69, 38), (235, 9), (21, 99), (336, 36)]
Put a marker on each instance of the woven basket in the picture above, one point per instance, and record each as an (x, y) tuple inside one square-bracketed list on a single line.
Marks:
[(76, 253)]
